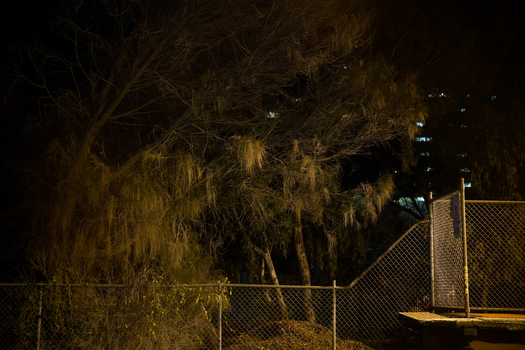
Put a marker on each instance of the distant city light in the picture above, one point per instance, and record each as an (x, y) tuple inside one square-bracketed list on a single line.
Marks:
[(273, 115), (407, 201), (439, 95), (468, 184), (420, 124)]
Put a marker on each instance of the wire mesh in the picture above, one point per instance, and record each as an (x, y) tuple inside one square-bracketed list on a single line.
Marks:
[(222, 316), (496, 251), (107, 317), (17, 303), (225, 316), (398, 282), (447, 255), (268, 317)]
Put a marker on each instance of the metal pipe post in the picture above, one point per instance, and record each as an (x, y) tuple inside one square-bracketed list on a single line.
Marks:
[(334, 312), (465, 258), (431, 235), (39, 327), (220, 316)]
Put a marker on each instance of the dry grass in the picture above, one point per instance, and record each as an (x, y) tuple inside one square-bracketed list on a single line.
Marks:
[(291, 335)]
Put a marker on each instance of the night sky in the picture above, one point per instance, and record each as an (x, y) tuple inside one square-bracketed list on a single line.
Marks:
[(28, 21)]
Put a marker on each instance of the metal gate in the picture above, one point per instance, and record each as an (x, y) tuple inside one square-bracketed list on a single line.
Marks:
[(477, 254)]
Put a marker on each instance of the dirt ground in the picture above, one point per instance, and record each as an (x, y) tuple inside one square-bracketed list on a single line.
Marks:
[(291, 335)]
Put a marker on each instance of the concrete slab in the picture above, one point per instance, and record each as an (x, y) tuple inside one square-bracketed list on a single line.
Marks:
[(455, 331), (427, 319)]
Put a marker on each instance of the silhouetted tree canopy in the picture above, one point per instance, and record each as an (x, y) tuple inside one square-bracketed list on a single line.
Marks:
[(158, 121)]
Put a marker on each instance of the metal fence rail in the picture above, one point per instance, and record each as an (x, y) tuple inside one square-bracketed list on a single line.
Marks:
[(222, 316)]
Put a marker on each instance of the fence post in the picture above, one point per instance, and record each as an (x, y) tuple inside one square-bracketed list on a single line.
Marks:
[(334, 322), (220, 316), (39, 325), (431, 235), (465, 259)]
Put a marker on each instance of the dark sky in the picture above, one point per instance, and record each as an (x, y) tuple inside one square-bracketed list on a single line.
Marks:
[(26, 21)]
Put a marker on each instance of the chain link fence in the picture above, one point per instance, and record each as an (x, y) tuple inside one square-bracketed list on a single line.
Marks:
[(217, 316), (447, 249), (50, 316), (399, 281), (496, 254), (230, 316), (223, 316), (478, 254)]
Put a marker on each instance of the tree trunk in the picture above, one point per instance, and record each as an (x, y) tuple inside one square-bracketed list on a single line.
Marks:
[(271, 269), (304, 271), (275, 282), (263, 281)]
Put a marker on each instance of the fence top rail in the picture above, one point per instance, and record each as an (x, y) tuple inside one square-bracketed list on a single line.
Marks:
[(444, 198), (283, 286), (493, 202), (209, 285)]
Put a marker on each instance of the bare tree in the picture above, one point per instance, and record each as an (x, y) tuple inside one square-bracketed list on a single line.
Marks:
[(203, 108)]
